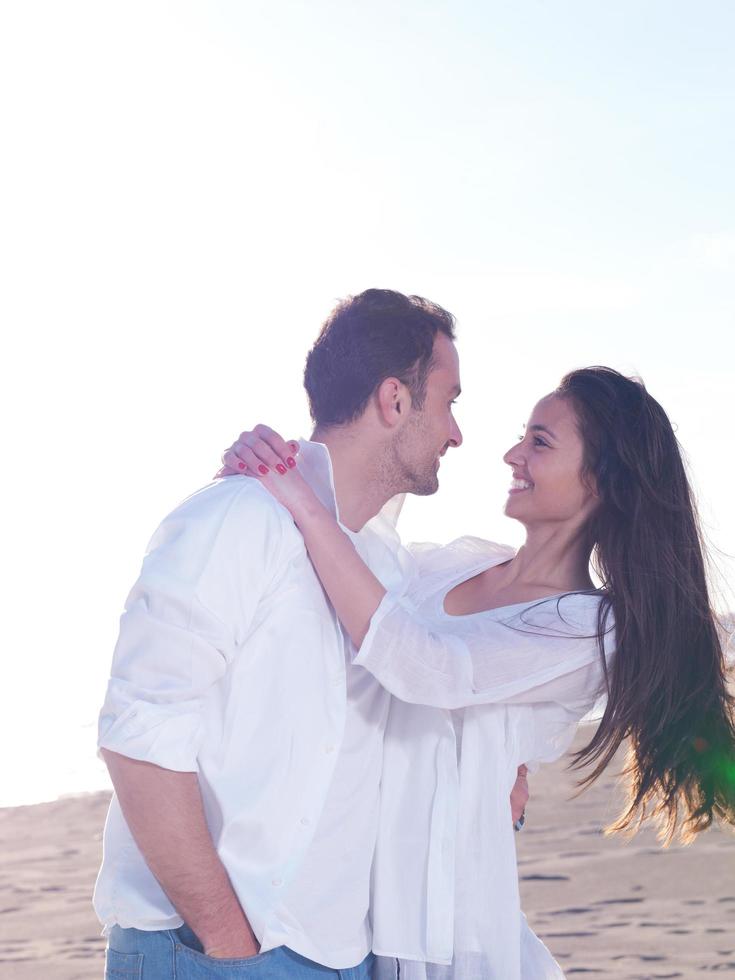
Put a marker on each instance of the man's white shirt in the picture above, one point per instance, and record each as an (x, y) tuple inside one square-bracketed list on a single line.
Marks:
[(231, 663)]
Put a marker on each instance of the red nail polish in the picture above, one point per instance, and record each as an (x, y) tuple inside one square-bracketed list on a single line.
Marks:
[(281, 468), (291, 461), (241, 466), (263, 469)]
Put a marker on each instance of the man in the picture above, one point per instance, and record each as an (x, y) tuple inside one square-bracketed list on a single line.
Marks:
[(244, 750)]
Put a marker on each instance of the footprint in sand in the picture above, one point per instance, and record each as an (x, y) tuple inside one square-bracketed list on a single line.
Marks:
[(649, 976), (544, 878), (580, 911)]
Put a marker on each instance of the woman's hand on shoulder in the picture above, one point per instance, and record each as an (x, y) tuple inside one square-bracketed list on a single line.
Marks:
[(257, 448), (265, 455)]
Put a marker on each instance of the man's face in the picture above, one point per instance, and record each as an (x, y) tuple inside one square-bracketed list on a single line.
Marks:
[(432, 429)]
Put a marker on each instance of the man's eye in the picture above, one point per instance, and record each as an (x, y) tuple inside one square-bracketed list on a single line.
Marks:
[(538, 441)]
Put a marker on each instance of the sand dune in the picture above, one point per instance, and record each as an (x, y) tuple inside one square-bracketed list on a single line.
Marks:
[(607, 908)]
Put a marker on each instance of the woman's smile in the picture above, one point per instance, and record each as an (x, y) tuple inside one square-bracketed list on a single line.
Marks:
[(518, 485)]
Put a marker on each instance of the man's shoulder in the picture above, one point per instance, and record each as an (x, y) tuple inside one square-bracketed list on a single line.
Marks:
[(242, 496), (236, 505)]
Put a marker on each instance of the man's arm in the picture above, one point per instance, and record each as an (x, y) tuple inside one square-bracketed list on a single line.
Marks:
[(165, 814), (183, 624)]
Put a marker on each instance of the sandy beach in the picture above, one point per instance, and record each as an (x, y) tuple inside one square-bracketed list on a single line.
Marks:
[(624, 909), (607, 908)]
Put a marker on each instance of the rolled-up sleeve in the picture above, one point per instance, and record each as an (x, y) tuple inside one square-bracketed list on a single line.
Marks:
[(187, 616), (522, 659)]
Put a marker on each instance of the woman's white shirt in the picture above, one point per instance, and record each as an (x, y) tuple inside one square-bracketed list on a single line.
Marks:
[(520, 678)]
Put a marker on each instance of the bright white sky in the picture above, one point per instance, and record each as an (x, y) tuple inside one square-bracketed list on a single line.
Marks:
[(188, 188)]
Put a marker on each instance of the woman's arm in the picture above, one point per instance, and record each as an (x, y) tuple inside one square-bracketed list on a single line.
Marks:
[(552, 657), (352, 588)]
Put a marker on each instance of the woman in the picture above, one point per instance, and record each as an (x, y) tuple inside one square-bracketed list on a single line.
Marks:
[(523, 642)]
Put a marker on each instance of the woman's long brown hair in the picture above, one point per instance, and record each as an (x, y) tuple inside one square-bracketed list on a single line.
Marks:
[(667, 689)]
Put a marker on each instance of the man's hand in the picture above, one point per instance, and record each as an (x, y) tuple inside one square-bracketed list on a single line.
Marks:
[(519, 794), (235, 947)]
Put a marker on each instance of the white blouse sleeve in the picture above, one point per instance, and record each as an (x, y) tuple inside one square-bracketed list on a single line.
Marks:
[(533, 656)]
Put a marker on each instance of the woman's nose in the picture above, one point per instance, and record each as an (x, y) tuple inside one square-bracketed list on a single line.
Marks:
[(514, 456)]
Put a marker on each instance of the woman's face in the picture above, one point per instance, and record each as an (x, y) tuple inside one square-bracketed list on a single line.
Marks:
[(547, 485)]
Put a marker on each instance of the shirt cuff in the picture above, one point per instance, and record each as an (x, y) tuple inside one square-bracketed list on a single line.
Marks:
[(387, 604), (167, 735)]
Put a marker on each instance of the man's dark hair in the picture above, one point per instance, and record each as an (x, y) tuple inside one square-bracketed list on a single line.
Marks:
[(367, 338)]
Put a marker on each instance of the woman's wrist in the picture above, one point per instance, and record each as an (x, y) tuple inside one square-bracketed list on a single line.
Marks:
[(309, 513)]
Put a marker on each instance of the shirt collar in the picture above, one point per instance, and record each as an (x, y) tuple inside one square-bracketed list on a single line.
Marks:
[(315, 465)]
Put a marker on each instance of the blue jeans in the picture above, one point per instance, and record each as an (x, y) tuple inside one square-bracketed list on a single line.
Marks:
[(176, 954)]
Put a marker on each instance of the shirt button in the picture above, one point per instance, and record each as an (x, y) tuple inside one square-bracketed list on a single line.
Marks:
[(329, 749), (304, 821), (277, 882)]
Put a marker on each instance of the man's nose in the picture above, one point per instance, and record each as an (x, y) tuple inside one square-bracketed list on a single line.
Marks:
[(455, 436)]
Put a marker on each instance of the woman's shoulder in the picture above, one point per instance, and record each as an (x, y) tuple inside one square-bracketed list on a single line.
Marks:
[(569, 615), (437, 566), (461, 553)]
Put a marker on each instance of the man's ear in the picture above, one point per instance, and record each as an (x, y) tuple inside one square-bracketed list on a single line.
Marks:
[(394, 401)]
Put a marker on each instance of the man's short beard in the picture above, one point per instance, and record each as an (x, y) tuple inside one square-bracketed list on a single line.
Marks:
[(408, 475), (423, 485), (400, 477)]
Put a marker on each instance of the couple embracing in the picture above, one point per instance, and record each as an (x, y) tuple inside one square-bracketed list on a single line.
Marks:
[(318, 738)]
